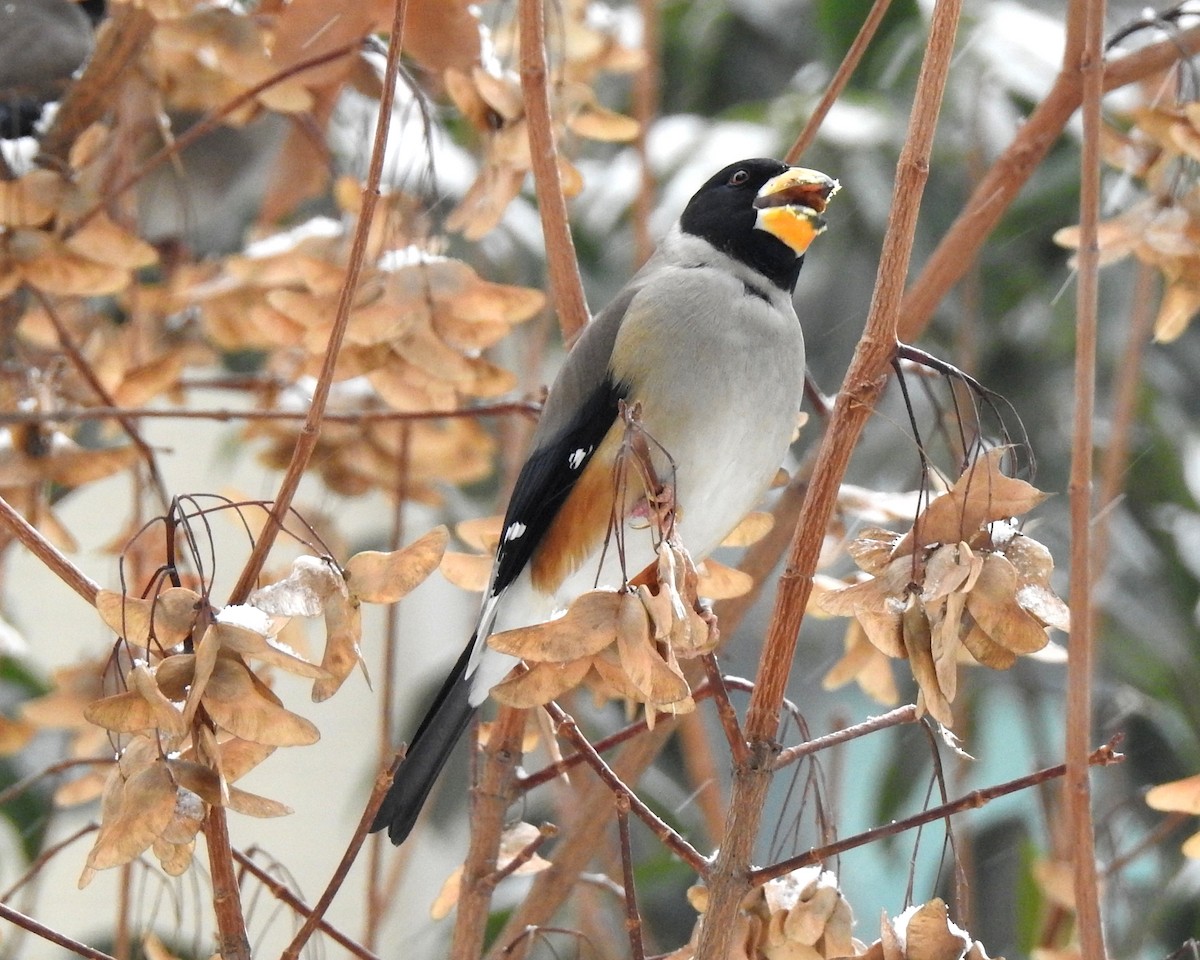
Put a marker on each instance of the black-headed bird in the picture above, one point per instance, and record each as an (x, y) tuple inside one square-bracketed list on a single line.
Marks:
[(705, 344)]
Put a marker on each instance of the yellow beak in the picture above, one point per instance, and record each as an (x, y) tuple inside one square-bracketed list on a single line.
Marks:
[(790, 206)]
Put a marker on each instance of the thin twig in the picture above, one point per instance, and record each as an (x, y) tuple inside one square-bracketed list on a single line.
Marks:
[(84, 369), (561, 263), (45, 857), (307, 441), (845, 70), (281, 893), (527, 408), (317, 914), (565, 724), (589, 811), (1102, 756), (19, 919), (633, 918), (29, 537), (645, 109), (893, 718), (1086, 56)]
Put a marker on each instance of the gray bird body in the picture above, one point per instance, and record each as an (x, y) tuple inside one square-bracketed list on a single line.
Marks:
[(714, 356), (706, 342)]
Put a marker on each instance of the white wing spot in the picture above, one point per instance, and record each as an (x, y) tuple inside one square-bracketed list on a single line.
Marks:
[(576, 457), (515, 531)]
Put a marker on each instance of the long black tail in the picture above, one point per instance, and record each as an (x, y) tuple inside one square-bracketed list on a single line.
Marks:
[(435, 738)]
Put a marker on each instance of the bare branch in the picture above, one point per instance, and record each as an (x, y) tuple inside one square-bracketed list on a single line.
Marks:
[(281, 893), (1103, 756), (18, 919), (561, 263), (48, 553), (862, 385), (1086, 57), (845, 70)]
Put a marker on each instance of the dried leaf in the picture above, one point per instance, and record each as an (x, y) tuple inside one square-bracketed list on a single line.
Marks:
[(254, 645), (588, 626), (993, 604), (102, 240), (930, 935), (14, 735), (980, 496), (140, 810), (127, 712), (986, 651), (918, 645), (375, 577), (540, 683), (719, 582), (343, 630), (467, 571), (247, 710), (303, 592), (253, 805), (32, 199), (1178, 795), (481, 533)]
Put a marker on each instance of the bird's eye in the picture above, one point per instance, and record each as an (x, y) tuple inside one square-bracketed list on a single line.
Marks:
[(740, 177)]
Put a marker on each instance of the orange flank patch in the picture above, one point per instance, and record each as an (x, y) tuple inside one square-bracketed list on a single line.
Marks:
[(582, 522)]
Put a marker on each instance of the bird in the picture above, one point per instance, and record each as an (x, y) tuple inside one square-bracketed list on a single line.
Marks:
[(705, 343)]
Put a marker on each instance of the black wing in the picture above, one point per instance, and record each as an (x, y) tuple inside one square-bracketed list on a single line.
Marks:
[(548, 477)]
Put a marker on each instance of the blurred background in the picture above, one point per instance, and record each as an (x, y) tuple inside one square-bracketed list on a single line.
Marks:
[(734, 79)]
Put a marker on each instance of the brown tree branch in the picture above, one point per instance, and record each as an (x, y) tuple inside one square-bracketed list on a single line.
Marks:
[(565, 724), (1085, 56), (862, 385), (490, 797), (845, 70), (307, 441), (561, 263), (33, 541), (633, 918), (232, 940), (18, 919), (1103, 756), (591, 810), (996, 191)]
